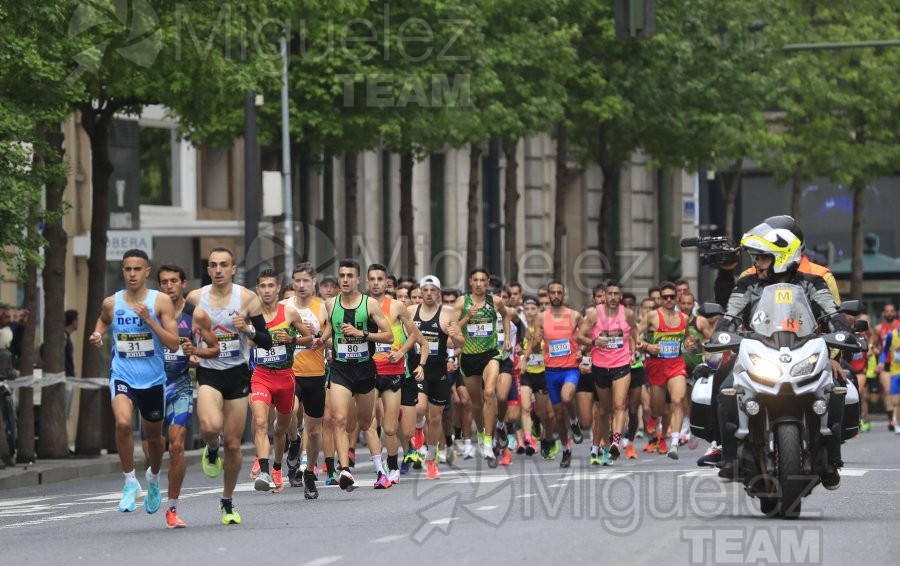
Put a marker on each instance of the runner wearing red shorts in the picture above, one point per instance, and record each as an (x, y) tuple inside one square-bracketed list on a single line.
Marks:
[(665, 368), (272, 382)]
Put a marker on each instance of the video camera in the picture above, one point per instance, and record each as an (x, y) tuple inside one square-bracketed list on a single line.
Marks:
[(714, 250)]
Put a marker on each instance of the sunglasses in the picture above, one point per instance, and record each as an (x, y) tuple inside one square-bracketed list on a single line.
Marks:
[(667, 297)]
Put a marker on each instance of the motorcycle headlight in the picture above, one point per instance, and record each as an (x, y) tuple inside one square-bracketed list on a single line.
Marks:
[(763, 371), (805, 367)]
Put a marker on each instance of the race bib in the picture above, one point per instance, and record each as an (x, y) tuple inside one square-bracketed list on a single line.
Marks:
[(274, 355), (480, 330), (176, 356), (669, 349), (614, 341), (558, 348), (501, 339), (585, 360), (137, 345), (381, 348), (352, 350), (229, 345), (896, 357), (432, 345), (535, 360), (858, 356)]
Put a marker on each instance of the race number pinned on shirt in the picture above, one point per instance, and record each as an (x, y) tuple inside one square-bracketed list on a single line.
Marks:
[(535, 360), (229, 345), (557, 348), (351, 349), (479, 330), (176, 356), (274, 355), (669, 349), (614, 341), (432, 345), (382, 348), (136, 345)]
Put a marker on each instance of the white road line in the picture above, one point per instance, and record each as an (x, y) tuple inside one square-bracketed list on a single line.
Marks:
[(389, 538), (24, 501), (487, 508), (852, 473), (322, 561), (56, 518), (444, 521), (699, 473), (525, 495)]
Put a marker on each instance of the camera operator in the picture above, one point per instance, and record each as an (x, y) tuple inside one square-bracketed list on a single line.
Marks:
[(777, 256)]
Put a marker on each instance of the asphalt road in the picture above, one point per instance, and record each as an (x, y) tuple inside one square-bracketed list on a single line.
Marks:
[(650, 511)]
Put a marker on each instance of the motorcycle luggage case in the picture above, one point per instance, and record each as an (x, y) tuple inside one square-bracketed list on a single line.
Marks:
[(851, 411), (701, 408)]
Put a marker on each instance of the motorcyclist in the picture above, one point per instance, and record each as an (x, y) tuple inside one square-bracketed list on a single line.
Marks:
[(777, 252)]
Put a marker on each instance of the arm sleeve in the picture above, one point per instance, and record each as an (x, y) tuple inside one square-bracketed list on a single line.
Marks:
[(262, 337)]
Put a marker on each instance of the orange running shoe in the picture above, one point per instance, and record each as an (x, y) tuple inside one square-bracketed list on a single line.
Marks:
[(254, 471), (662, 447), (432, 470), (651, 444), (506, 458), (172, 520), (651, 425), (277, 480), (418, 439), (630, 453)]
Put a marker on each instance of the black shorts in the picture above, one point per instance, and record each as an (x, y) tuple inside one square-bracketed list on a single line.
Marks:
[(638, 378), (232, 383), (873, 385), (506, 366), (311, 392), (150, 402), (472, 365), (409, 391), (457, 379), (388, 382), (437, 386), (585, 383), (604, 377), (358, 377), (536, 381)]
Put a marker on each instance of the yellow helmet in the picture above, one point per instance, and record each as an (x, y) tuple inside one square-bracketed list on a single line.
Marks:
[(782, 244)]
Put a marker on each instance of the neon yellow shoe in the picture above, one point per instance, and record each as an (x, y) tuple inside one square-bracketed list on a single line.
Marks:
[(211, 469), (230, 518)]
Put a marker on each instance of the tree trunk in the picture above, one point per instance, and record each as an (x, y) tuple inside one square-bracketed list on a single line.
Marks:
[(407, 235), (510, 206), (858, 187), (54, 440), (96, 123), (796, 191), (731, 193), (25, 441), (562, 185), (610, 183), (350, 196), (474, 214)]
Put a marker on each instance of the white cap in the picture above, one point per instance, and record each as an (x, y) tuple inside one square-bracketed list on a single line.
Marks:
[(430, 280)]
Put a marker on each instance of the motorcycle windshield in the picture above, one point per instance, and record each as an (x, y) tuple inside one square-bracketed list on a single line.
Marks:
[(783, 308)]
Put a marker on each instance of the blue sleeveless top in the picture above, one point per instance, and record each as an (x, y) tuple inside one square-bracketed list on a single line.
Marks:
[(177, 361), (136, 350)]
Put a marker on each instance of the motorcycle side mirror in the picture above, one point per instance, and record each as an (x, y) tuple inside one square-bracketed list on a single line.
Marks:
[(709, 310), (860, 326), (851, 307)]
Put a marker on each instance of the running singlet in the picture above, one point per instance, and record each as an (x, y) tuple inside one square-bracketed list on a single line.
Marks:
[(560, 348), (669, 359), (234, 349), (535, 362), (890, 355), (279, 356), (177, 362), (352, 349), (617, 352), (884, 329), (481, 331), (307, 362), (136, 349), (383, 365), (437, 340), (692, 358)]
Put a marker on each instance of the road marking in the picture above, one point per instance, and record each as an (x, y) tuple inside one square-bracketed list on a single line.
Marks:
[(444, 521), (106, 497), (389, 538), (24, 501), (700, 473), (594, 476), (852, 473), (487, 508), (525, 496), (479, 479), (56, 518), (323, 561)]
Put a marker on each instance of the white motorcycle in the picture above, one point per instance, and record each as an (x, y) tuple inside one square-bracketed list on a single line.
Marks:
[(782, 381)]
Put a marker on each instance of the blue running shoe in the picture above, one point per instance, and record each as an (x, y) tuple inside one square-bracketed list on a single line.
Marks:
[(153, 499), (129, 494)]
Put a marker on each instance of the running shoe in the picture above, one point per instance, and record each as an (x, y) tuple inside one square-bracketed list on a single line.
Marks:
[(614, 450), (212, 468), (230, 516), (351, 456), (304, 463), (331, 478), (489, 457), (506, 457), (501, 437), (382, 481), (153, 499), (263, 482), (520, 447), (432, 473), (566, 459), (554, 449), (294, 477), (394, 476), (309, 486), (630, 452), (130, 491), (865, 426), (418, 439), (640, 433), (469, 452), (651, 425), (254, 470), (412, 456), (293, 452), (605, 459), (278, 481), (673, 451), (442, 455), (651, 445), (577, 435), (345, 480), (712, 457), (173, 521), (530, 446), (545, 449), (404, 467), (452, 455), (662, 446), (596, 460)]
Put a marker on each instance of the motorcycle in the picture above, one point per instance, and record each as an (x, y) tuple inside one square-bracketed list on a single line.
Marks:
[(783, 381)]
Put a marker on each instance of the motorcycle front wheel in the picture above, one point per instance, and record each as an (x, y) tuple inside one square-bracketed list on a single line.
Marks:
[(790, 470)]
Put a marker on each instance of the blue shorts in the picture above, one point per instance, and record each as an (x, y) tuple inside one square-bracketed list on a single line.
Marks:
[(895, 385), (179, 402), (556, 378)]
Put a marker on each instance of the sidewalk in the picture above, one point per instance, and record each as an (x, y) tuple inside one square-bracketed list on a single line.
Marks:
[(53, 471)]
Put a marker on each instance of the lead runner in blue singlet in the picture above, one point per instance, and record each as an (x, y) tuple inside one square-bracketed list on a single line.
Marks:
[(141, 322)]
